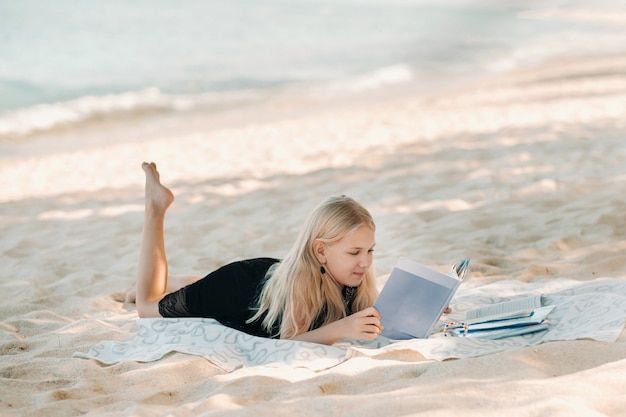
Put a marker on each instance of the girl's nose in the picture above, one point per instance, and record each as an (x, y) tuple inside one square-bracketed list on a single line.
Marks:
[(365, 260)]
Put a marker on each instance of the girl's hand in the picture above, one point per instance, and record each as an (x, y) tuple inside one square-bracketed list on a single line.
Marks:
[(364, 324)]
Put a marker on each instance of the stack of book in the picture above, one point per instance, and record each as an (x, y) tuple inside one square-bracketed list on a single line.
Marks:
[(496, 321)]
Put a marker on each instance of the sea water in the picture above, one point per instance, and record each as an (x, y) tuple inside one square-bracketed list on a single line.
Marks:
[(65, 63)]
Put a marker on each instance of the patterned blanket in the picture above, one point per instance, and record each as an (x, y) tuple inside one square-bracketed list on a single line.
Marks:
[(584, 310)]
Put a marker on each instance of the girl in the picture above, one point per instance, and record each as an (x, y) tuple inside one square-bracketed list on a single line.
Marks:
[(321, 292)]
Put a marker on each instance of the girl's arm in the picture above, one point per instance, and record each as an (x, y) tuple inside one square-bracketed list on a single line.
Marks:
[(364, 324)]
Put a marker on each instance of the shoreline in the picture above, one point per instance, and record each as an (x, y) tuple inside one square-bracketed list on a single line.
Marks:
[(203, 113)]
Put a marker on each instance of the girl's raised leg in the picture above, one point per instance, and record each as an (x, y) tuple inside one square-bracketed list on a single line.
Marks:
[(152, 267)]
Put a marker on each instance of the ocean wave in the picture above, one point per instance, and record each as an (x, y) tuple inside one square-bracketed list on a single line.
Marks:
[(43, 117), (27, 121), (376, 79)]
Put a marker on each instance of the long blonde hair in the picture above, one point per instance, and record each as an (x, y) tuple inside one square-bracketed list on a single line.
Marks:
[(296, 291)]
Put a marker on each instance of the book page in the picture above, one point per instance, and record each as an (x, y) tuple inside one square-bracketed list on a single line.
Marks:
[(512, 306)]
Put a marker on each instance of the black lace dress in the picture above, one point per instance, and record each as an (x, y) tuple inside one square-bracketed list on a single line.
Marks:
[(229, 295)]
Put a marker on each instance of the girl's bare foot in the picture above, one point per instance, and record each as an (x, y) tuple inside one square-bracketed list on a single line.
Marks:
[(158, 196)]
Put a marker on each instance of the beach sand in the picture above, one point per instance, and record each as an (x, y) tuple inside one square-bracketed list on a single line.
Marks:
[(523, 173)]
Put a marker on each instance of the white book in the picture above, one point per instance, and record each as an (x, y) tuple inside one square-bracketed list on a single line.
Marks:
[(415, 296), (512, 307)]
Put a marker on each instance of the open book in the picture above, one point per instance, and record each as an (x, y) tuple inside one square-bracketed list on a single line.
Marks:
[(415, 296), (509, 318)]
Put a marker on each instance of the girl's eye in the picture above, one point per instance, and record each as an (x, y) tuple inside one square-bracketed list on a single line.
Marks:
[(356, 253)]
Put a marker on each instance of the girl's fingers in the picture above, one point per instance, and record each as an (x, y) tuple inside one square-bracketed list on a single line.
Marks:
[(371, 311), (369, 322), (373, 325)]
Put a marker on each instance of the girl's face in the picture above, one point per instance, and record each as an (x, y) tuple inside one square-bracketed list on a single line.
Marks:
[(348, 259)]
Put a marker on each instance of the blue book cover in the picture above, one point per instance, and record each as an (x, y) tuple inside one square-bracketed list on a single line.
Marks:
[(414, 297)]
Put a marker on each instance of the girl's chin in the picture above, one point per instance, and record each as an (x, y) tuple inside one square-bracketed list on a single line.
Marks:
[(356, 280)]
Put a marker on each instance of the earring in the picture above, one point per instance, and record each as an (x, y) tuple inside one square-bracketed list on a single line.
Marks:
[(322, 269)]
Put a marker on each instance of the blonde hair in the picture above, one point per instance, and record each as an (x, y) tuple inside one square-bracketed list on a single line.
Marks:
[(296, 291)]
